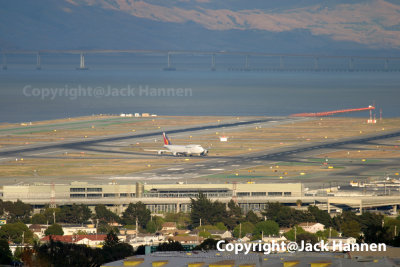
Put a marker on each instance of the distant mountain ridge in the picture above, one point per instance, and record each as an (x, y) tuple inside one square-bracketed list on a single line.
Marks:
[(288, 26)]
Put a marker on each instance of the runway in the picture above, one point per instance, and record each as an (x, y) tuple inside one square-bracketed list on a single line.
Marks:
[(111, 147), (105, 143), (217, 165)]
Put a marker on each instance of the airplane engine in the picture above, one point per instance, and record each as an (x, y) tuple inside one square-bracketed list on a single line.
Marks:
[(204, 153)]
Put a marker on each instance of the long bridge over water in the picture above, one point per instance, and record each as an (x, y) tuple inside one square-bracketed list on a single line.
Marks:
[(244, 60)]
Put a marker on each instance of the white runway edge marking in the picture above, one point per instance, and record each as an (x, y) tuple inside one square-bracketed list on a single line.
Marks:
[(235, 165), (175, 169), (216, 169), (199, 165), (50, 152), (120, 143)]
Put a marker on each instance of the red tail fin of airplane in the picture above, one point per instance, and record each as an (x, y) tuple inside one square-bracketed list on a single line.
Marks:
[(166, 140)]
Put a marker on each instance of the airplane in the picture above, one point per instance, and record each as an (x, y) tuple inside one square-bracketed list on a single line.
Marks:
[(181, 150)]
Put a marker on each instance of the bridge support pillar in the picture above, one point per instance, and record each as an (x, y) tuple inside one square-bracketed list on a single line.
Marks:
[(169, 67), (386, 64), (178, 208), (361, 207), (281, 62), (4, 67), (351, 64), (213, 62), (316, 63), (38, 62), (246, 63), (394, 208), (82, 63)]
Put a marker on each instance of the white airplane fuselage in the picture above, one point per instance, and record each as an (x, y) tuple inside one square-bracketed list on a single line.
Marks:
[(186, 150)]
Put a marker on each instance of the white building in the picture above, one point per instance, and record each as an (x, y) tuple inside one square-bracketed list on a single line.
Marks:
[(312, 227)]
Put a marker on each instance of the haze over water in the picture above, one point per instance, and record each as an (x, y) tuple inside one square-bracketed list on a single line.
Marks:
[(218, 92)]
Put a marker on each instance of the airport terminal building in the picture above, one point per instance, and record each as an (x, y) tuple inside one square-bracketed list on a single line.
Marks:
[(161, 198), (158, 198)]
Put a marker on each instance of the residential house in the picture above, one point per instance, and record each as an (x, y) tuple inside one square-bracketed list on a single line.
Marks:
[(169, 226), (222, 234), (89, 240), (312, 227), (185, 240), (336, 241), (74, 229), (276, 239), (38, 229)]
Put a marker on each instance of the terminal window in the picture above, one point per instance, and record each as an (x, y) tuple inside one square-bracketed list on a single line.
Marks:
[(94, 189), (77, 195), (258, 194), (287, 194), (109, 195), (94, 195), (77, 189), (243, 194), (275, 194)]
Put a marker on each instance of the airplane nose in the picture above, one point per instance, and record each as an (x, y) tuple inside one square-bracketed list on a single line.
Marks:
[(205, 152)]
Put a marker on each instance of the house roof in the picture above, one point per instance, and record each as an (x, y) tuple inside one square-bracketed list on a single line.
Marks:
[(309, 224), (217, 232), (169, 224), (73, 238), (36, 227), (187, 238)]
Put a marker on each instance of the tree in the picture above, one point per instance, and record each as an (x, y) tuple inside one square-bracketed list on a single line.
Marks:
[(14, 232), (170, 246), (393, 225), (208, 244), (326, 233), (78, 214), (5, 252), (66, 254), (114, 249), (377, 234), (252, 217), (182, 219), (351, 229), (54, 229), (368, 220), (246, 228), (105, 215), (265, 227), (49, 214), (285, 216), (38, 218), (17, 211), (307, 238), (205, 234), (111, 239), (320, 216), (136, 211), (151, 227), (221, 226), (207, 211), (292, 234), (234, 215)]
